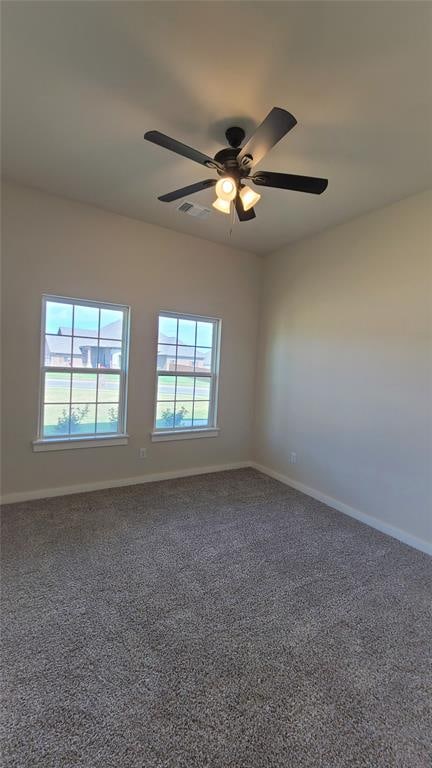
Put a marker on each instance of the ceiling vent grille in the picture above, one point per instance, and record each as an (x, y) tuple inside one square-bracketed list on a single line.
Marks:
[(192, 209)]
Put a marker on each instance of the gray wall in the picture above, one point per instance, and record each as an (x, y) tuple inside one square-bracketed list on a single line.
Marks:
[(56, 246), (345, 368)]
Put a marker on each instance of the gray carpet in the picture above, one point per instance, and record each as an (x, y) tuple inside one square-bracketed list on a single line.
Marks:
[(220, 621)]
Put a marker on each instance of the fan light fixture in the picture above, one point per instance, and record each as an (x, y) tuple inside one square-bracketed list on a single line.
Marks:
[(249, 198), (222, 205), (226, 188)]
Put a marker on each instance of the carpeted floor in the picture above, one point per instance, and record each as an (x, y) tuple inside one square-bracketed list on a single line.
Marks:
[(220, 621)]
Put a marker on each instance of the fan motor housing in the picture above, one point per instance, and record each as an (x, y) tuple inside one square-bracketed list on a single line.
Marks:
[(228, 158)]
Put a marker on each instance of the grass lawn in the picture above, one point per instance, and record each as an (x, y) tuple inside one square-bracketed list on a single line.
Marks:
[(84, 387), (56, 419), (184, 389)]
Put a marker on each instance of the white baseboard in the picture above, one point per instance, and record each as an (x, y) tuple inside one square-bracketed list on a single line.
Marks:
[(340, 506), (374, 522), (45, 493)]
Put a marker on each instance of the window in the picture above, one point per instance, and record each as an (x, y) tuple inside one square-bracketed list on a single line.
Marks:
[(84, 350), (187, 368)]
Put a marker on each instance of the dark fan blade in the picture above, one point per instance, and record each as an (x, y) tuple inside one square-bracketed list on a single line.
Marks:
[(277, 123), (187, 190), (241, 213), (290, 181), (180, 149)]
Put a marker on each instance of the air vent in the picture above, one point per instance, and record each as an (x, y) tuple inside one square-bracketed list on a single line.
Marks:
[(192, 209)]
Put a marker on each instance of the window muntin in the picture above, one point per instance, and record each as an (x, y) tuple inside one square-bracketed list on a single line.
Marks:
[(84, 355), (187, 368)]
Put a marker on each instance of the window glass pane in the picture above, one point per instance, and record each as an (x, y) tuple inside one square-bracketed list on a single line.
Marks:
[(164, 415), (109, 355), (185, 358), (86, 321), (72, 340), (166, 387), (107, 418), (167, 330), (185, 401), (82, 418), (203, 359), (58, 318), (166, 357), (202, 389), (57, 388), (55, 420), (58, 350), (84, 388), (185, 388), (183, 414), (200, 414), (111, 324), (109, 388), (186, 332), (204, 334), (84, 352)]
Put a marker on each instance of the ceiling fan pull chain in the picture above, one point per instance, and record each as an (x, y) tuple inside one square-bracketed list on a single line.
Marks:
[(232, 217)]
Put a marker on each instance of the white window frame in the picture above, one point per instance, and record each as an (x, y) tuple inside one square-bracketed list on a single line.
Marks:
[(160, 434), (120, 437)]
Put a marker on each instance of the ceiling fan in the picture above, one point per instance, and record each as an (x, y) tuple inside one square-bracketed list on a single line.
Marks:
[(235, 163)]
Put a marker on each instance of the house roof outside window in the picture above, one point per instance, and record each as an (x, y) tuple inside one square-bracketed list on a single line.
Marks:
[(110, 336)]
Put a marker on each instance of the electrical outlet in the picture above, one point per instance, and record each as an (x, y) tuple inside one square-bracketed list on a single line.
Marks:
[(143, 453), (293, 458)]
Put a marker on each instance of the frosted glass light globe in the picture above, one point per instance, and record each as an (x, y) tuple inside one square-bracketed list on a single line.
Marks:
[(226, 188)]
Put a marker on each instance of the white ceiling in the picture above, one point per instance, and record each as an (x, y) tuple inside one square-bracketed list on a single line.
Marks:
[(83, 81)]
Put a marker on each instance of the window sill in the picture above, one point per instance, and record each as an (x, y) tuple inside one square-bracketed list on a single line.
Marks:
[(183, 434), (71, 443)]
